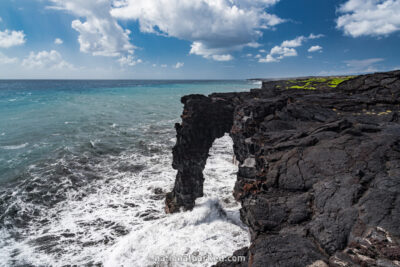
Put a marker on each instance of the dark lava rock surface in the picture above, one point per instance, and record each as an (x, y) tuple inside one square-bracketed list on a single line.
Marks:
[(319, 172)]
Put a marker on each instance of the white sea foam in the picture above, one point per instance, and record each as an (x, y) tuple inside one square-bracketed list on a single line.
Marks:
[(13, 147), (257, 82), (213, 228), (204, 231), (120, 221)]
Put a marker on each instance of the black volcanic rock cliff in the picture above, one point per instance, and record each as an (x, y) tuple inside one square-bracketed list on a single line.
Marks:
[(319, 172)]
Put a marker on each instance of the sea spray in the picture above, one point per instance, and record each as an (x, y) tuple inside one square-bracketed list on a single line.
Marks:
[(211, 230)]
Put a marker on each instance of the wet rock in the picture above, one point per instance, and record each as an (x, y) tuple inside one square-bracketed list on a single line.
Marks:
[(242, 256), (284, 250), (158, 191), (158, 194)]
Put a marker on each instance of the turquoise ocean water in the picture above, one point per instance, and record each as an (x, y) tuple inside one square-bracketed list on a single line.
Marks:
[(81, 163)]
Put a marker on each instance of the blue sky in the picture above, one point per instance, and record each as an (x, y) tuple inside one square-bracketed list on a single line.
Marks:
[(196, 39)]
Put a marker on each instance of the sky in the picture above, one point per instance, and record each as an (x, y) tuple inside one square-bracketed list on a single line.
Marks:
[(196, 39)]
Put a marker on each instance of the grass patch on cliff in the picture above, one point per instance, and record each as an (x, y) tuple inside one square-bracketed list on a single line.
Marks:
[(338, 80), (306, 86), (317, 83)]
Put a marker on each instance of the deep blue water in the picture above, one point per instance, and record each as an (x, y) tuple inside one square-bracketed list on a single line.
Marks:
[(61, 142)]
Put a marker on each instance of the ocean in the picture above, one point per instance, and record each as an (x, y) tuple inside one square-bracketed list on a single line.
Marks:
[(83, 169)]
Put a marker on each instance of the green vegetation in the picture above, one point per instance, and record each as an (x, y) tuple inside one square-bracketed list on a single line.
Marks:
[(336, 81), (306, 86), (318, 82)]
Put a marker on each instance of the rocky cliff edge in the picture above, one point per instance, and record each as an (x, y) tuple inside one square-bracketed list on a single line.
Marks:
[(319, 168)]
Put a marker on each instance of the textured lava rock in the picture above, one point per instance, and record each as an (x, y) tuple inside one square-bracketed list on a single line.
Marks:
[(203, 120), (319, 172)]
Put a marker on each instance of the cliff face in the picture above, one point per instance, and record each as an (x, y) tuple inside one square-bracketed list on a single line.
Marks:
[(319, 173)]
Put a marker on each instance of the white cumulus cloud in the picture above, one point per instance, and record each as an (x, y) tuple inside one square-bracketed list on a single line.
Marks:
[(58, 41), (216, 28), (315, 36), (179, 65), (287, 48), (298, 41), (369, 17), (129, 60), (217, 54), (99, 32), (315, 48), (11, 38), (268, 59), (46, 60), (226, 57)]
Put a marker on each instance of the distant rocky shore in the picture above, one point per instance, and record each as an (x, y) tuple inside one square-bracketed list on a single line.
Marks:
[(319, 168)]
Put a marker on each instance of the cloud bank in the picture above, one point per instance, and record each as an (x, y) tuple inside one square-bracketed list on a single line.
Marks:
[(369, 17), (46, 60), (215, 27)]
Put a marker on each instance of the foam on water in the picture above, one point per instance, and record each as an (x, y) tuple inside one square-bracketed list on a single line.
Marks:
[(13, 147), (120, 221), (213, 228)]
